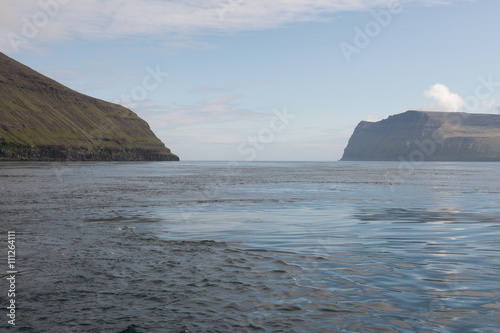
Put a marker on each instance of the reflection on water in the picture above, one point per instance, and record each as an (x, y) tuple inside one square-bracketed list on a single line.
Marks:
[(270, 247)]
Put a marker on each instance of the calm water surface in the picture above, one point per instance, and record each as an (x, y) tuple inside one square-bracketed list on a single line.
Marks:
[(254, 247)]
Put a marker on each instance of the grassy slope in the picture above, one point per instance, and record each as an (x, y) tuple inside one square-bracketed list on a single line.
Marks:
[(37, 112)]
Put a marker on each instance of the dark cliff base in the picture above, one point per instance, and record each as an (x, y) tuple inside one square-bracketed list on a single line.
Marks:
[(419, 136), (62, 153)]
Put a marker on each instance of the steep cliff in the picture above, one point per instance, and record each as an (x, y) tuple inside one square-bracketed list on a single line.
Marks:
[(41, 119), (427, 136)]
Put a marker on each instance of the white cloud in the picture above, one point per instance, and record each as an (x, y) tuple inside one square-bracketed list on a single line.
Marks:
[(109, 19), (445, 100), (373, 117)]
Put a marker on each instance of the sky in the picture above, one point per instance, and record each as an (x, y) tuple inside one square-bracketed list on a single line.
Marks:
[(283, 80)]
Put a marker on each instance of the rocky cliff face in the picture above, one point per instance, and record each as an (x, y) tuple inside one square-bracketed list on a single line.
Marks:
[(427, 136), (41, 119)]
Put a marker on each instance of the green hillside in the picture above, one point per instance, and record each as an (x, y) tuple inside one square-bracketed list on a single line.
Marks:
[(41, 119)]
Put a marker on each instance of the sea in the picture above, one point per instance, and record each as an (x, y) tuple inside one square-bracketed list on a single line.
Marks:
[(251, 246)]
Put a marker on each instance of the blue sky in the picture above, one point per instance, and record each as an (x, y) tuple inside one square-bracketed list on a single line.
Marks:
[(257, 80)]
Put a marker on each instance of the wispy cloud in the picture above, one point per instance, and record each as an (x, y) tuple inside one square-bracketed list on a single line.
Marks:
[(114, 19), (223, 88), (208, 112), (201, 130)]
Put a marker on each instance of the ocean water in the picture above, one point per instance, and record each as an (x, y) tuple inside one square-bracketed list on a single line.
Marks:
[(252, 247)]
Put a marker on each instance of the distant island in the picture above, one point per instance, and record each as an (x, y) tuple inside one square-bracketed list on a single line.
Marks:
[(42, 120), (427, 136)]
